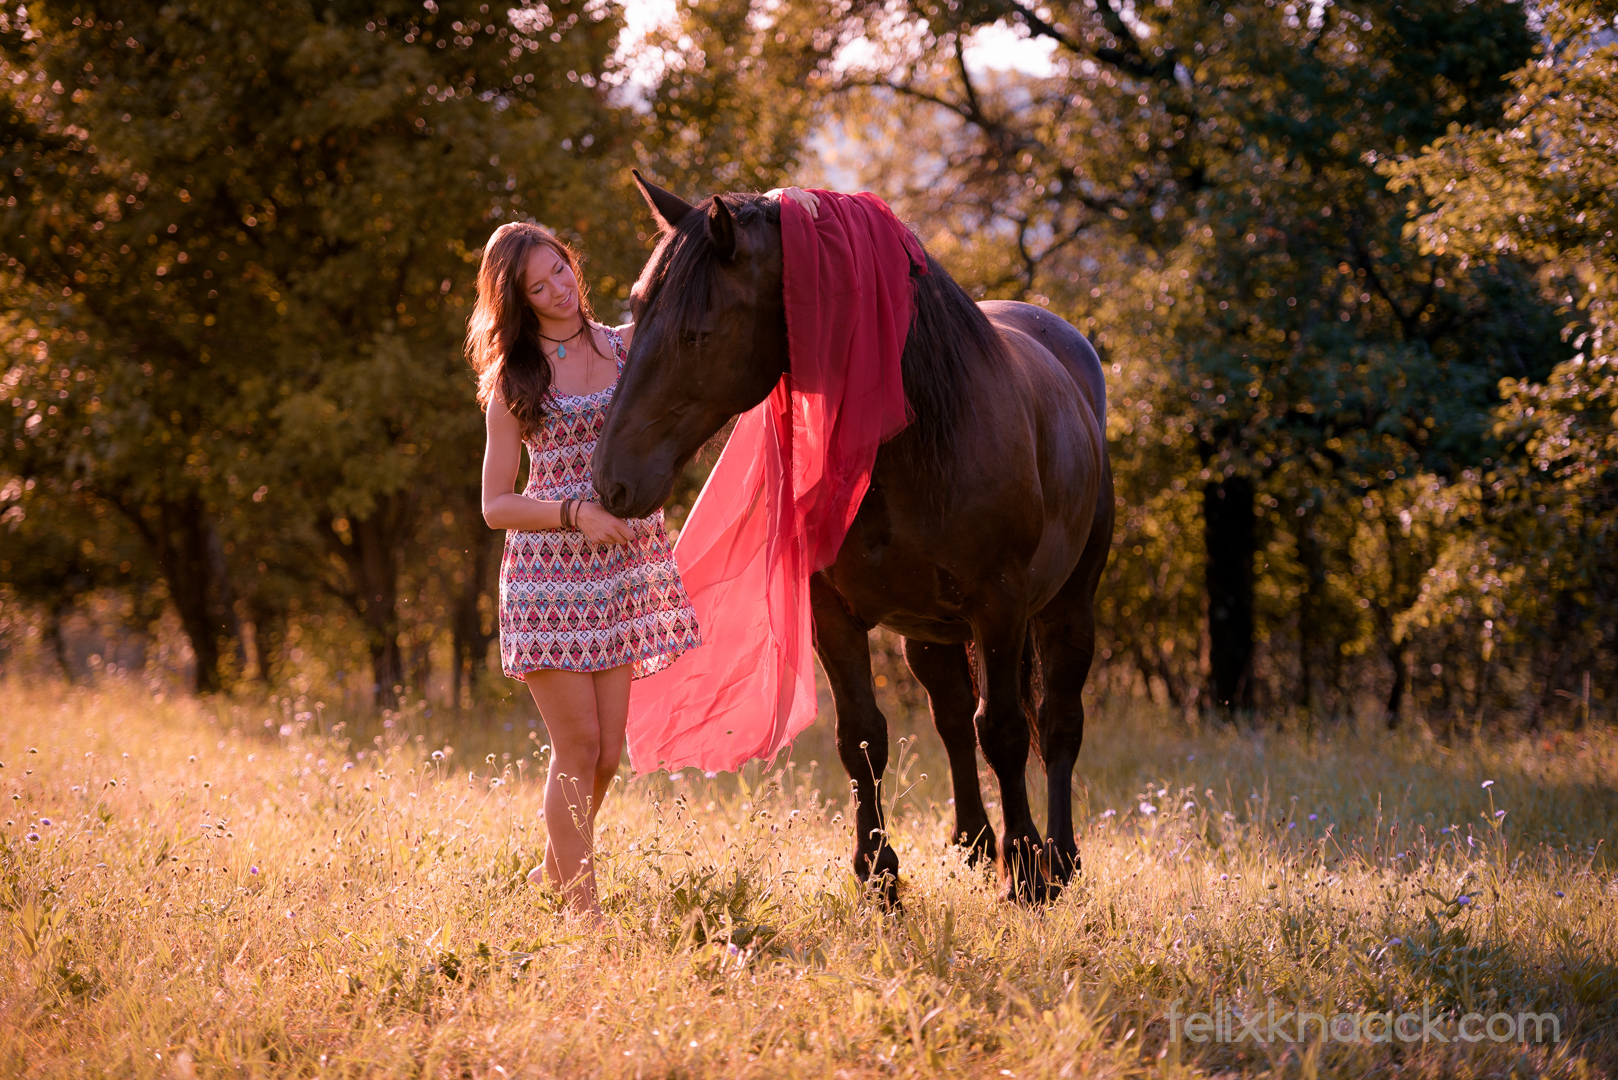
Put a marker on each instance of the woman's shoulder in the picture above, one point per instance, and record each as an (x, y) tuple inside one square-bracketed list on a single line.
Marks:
[(617, 337)]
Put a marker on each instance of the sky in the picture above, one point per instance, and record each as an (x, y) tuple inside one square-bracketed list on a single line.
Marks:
[(997, 48)]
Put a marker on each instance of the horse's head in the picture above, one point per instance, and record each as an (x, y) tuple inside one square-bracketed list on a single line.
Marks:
[(710, 342)]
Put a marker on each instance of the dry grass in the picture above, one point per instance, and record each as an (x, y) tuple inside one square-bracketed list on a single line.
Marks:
[(214, 896)]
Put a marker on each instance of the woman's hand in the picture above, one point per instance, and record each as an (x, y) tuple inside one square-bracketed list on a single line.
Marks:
[(805, 199), (600, 527)]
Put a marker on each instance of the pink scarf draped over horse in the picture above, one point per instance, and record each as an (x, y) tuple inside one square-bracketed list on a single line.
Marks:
[(783, 495)]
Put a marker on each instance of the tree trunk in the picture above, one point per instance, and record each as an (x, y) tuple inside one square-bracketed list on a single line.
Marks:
[(58, 640), (1312, 561), (1230, 537), (475, 577), (1396, 697), (191, 559), (371, 554), (269, 629)]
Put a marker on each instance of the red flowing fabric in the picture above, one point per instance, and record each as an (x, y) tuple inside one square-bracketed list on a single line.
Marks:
[(783, 494)]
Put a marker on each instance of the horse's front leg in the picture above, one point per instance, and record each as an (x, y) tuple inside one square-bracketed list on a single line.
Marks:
[(862, 731), (1003, 733), (944, 672)]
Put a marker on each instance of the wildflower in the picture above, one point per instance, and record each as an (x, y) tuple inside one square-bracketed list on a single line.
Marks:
[(710, 775), (286, 729), (1559, 894), (1292, 825), (1444, 830), (1224, 877), (1147, 808), (1314, 817), (1396, 941), (1488, 784), (1188, 804), (45, 821), (347, 765), (438, 755), (1110, 812), (1499, 813), (32, 838), (253, 870), (1191, 757), (1463, 900)]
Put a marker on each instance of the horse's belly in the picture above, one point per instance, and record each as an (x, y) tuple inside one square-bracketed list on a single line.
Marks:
[(940, 631)]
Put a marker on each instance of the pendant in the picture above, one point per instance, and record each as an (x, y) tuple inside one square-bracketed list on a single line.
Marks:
[(561, 352)]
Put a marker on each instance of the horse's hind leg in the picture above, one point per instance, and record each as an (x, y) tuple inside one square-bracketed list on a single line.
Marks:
[(862, 731), (1066, 633), (1066, 648), (944, 672), (1003, 733)]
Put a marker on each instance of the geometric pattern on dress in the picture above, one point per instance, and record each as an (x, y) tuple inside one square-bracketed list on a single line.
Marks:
[(569, 604)]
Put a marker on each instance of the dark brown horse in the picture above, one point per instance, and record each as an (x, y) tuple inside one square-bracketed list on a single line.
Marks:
[(987, 521)]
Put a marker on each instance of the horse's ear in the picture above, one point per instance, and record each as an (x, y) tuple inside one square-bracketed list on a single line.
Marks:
[(668, 208), (722, 229)]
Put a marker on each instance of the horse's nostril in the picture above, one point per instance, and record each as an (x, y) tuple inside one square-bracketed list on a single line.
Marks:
[(617, 496)]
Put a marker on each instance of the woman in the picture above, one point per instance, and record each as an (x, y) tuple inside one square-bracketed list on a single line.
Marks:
[(587, 601)]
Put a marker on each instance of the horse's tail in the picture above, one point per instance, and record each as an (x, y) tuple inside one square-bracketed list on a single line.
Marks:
[(1033, 688), (1031, 685)]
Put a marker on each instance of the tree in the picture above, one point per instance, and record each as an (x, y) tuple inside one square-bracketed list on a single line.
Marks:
[(1219, 159), (1541, 187), (249, 237)]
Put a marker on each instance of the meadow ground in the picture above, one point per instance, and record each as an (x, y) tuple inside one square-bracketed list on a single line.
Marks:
[(208, 888)]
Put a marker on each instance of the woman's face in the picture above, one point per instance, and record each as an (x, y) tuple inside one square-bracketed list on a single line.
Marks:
[(549, 284)]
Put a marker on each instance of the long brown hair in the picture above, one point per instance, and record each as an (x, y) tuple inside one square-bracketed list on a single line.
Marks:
[(502, 336)]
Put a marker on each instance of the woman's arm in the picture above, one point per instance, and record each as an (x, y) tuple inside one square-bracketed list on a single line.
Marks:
[(503, 508), (808, 200)]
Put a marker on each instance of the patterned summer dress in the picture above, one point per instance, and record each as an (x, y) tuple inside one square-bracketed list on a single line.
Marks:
[(569, 604)]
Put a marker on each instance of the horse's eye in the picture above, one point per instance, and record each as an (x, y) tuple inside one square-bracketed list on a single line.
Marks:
[(694, 338)]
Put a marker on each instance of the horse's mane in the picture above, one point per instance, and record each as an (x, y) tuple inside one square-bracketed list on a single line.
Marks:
[(949, 334)]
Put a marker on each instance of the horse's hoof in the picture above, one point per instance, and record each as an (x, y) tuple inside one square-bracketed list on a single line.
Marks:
[(979, 849), (886, 886), (879, 871), (1063, 866), (1027, 873), (1032, 890)]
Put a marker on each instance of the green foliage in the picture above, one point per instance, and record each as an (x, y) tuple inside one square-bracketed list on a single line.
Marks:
[(1196, 187), (1545, 520), (247, 239)]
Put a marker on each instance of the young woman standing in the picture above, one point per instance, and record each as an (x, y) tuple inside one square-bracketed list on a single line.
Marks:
[(587, 601)]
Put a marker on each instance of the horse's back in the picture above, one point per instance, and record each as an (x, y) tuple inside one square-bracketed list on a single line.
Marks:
[(1071, 348)]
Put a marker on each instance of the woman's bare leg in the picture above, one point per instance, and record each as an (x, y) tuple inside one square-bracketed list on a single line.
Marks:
[(567, 703), (612, 709)]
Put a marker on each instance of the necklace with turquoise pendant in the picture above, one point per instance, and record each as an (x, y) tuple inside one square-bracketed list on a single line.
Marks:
[(561, 343)]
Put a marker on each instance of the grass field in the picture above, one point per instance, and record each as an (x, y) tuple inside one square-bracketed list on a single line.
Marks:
[(197, 888)]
